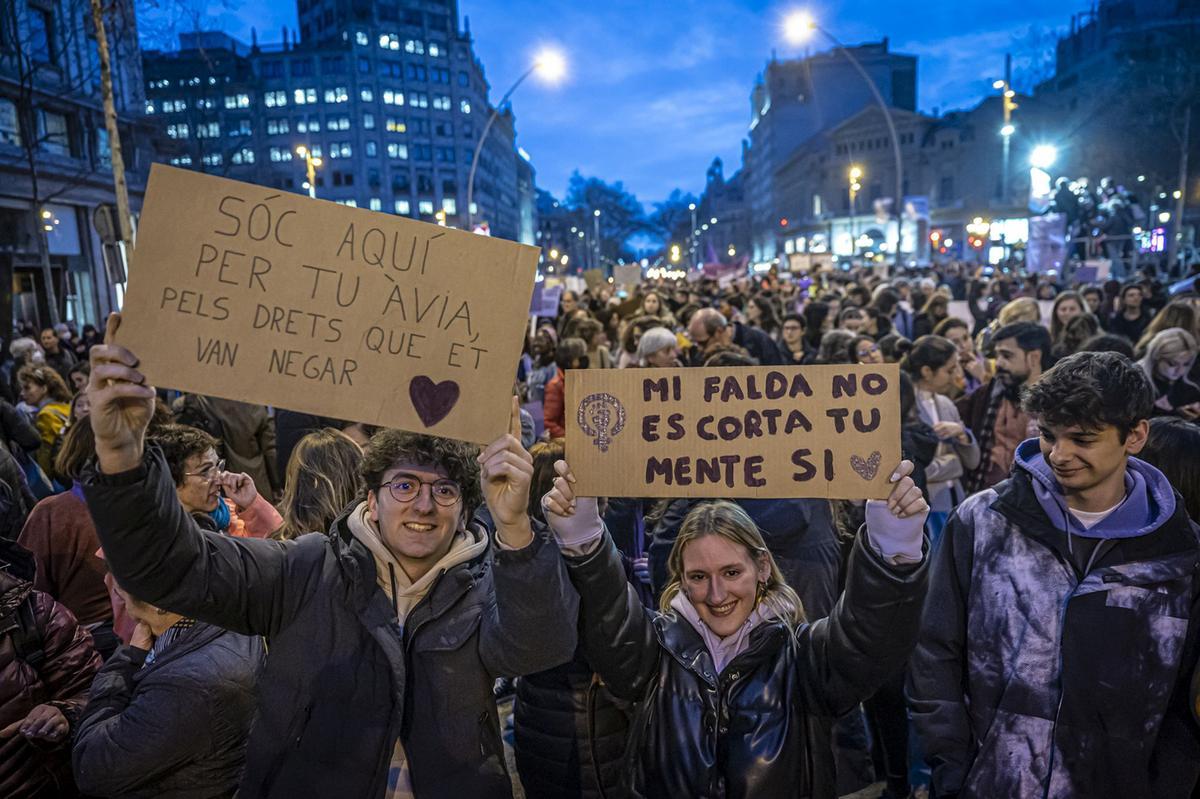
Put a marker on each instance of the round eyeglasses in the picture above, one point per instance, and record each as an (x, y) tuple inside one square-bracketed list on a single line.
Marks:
[(406, 489)]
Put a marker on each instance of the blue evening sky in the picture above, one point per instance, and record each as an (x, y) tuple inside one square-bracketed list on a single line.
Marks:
[(657, 88)]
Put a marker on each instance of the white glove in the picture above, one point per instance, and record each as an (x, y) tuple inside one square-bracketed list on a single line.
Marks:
[(575, 521), (895, 526)]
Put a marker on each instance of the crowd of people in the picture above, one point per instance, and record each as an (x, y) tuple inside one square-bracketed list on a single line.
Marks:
[(201, 597)]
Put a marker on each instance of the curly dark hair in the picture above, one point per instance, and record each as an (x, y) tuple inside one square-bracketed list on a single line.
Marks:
[(1091, 390), (389, 447), (179, 442)]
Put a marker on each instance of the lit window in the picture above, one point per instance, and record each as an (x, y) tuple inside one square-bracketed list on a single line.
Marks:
[(237, 101), (242, 128), (375, 204), (474, 209), (243, 156), (449, 205), (149, 106), (372, 149), (414, 46), (389, 41), (360, 38), (418, 100), (337, 95), (396, 150), (425, 207), (277, 126), (212, 159), (464, 106), (441, 102), (208, 130), (179, 131), (351, 203), (338, 123), (275, 99), (339, 149), (402, 207), (181, 160), (304, 96), (207, 103), (393, 98), (10, 130), (367, 96), (368, 121), (279, 154), (395, 125)]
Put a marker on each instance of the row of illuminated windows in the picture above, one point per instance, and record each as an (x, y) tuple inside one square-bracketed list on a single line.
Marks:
[(391, 41), (396, 151), (308, 96), (282, 125)]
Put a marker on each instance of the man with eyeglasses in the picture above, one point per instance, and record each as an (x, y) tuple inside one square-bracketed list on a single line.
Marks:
[(385, 637)]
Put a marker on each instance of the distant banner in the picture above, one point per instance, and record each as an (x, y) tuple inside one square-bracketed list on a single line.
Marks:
[(813, 431)]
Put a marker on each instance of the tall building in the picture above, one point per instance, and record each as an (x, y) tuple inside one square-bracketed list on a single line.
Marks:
[(797, 99), (389, 96), (55, 159)]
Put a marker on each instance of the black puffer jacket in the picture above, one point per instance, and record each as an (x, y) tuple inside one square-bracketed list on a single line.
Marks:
[(176, 728), (743, 732)]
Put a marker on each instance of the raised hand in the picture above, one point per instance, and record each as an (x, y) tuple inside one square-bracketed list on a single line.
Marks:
[(896, 526), (240, 488), (574, 520), (122, 403), (506, 472)]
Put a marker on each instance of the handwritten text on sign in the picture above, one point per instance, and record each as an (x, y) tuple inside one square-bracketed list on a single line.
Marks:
[(243, 292), (813, 431)]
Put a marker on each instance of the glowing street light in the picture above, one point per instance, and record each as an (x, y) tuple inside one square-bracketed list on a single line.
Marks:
[(551, 67), (1043, 156), (799, 27), (311, 163), (1008, 130)]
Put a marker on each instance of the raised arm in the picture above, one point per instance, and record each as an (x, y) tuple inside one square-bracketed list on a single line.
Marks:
[(154, 549), (873, 627), (618, 635)]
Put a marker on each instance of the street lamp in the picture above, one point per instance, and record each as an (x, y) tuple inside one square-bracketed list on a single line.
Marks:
[(311, 163), (798, 28), (551, 66), (1004, 86), (1043, 156), (596, 238), (856, 175), (692, 248)]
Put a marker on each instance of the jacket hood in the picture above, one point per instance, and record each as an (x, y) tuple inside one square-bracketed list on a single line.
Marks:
[(1149, 499), (722, 650)]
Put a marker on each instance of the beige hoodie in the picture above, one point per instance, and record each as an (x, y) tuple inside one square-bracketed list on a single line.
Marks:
[(405, 594)]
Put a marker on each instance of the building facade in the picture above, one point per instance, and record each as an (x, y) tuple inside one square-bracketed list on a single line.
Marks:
[(797, 99), (55, 158), (389, 96)]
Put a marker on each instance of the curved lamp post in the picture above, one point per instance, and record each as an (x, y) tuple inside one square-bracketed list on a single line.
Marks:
[(551, 65), (798, 28)]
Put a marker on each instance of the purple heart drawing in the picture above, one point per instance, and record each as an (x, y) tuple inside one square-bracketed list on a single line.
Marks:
[(432, 401), (866, 469)]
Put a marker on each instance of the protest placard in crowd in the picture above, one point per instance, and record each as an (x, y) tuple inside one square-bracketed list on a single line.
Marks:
[(249, 293), (812, 431)]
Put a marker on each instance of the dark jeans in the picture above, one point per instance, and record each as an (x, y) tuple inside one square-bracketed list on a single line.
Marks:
[(887, 719)]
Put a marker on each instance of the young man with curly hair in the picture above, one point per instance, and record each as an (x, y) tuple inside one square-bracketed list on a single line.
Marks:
[(385, 636), (1061, 625)]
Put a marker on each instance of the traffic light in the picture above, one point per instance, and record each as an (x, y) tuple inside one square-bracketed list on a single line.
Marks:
[(674, 253)]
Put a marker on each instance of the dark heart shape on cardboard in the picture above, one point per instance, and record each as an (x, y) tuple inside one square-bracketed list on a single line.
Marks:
[(866, 469), (432, 401)]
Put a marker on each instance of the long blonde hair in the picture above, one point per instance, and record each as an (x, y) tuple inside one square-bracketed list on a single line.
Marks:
[(729, 521), (322, 478)]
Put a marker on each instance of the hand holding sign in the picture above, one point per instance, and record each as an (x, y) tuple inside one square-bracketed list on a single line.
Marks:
[(506, 472), (574, 520), (122, 404)]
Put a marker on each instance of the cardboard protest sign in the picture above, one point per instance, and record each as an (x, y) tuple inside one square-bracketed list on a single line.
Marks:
[(545, 300), (248, 293), (627, 274), (769, 432), (595, 279)]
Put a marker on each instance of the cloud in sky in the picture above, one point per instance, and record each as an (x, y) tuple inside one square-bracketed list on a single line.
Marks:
[(658, 88)]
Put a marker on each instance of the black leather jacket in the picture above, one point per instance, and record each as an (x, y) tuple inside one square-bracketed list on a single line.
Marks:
[(743, 732)]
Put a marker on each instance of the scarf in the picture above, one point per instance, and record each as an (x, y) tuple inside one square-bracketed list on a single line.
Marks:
[(977, 480)]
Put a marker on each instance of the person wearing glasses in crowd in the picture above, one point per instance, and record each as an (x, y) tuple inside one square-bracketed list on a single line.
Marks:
[(386, 636)]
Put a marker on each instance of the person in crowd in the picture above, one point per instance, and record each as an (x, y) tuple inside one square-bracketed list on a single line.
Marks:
[(1076, 331), (865, 350), (632, 337), (658, 348), (818, 320), (83, 345), (1131, 318), (793, 348), (19, 434), (761, 313), (1067, 305), (568, 303), (653, 305), (44, 390), (61, 537), (876, 324), (935, 311), (16, 500), (973, 365), (46, 665), (1022, 309), (1171, 447), (201, 479), (58, 356), (169, 713), (1168, 361), (1176, 313), (1046, 664), (592, 333), (728, 676), (322, 479), (24, 352), (836, 347), (415, 609), (77, 376), (245, 432), (572, 354), (708, 329), (993, 411), (1109, 342), (544, 351), (893, 347), (569, 732), (933, 365), (888, 302), (1093, 297), (851, 319)]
